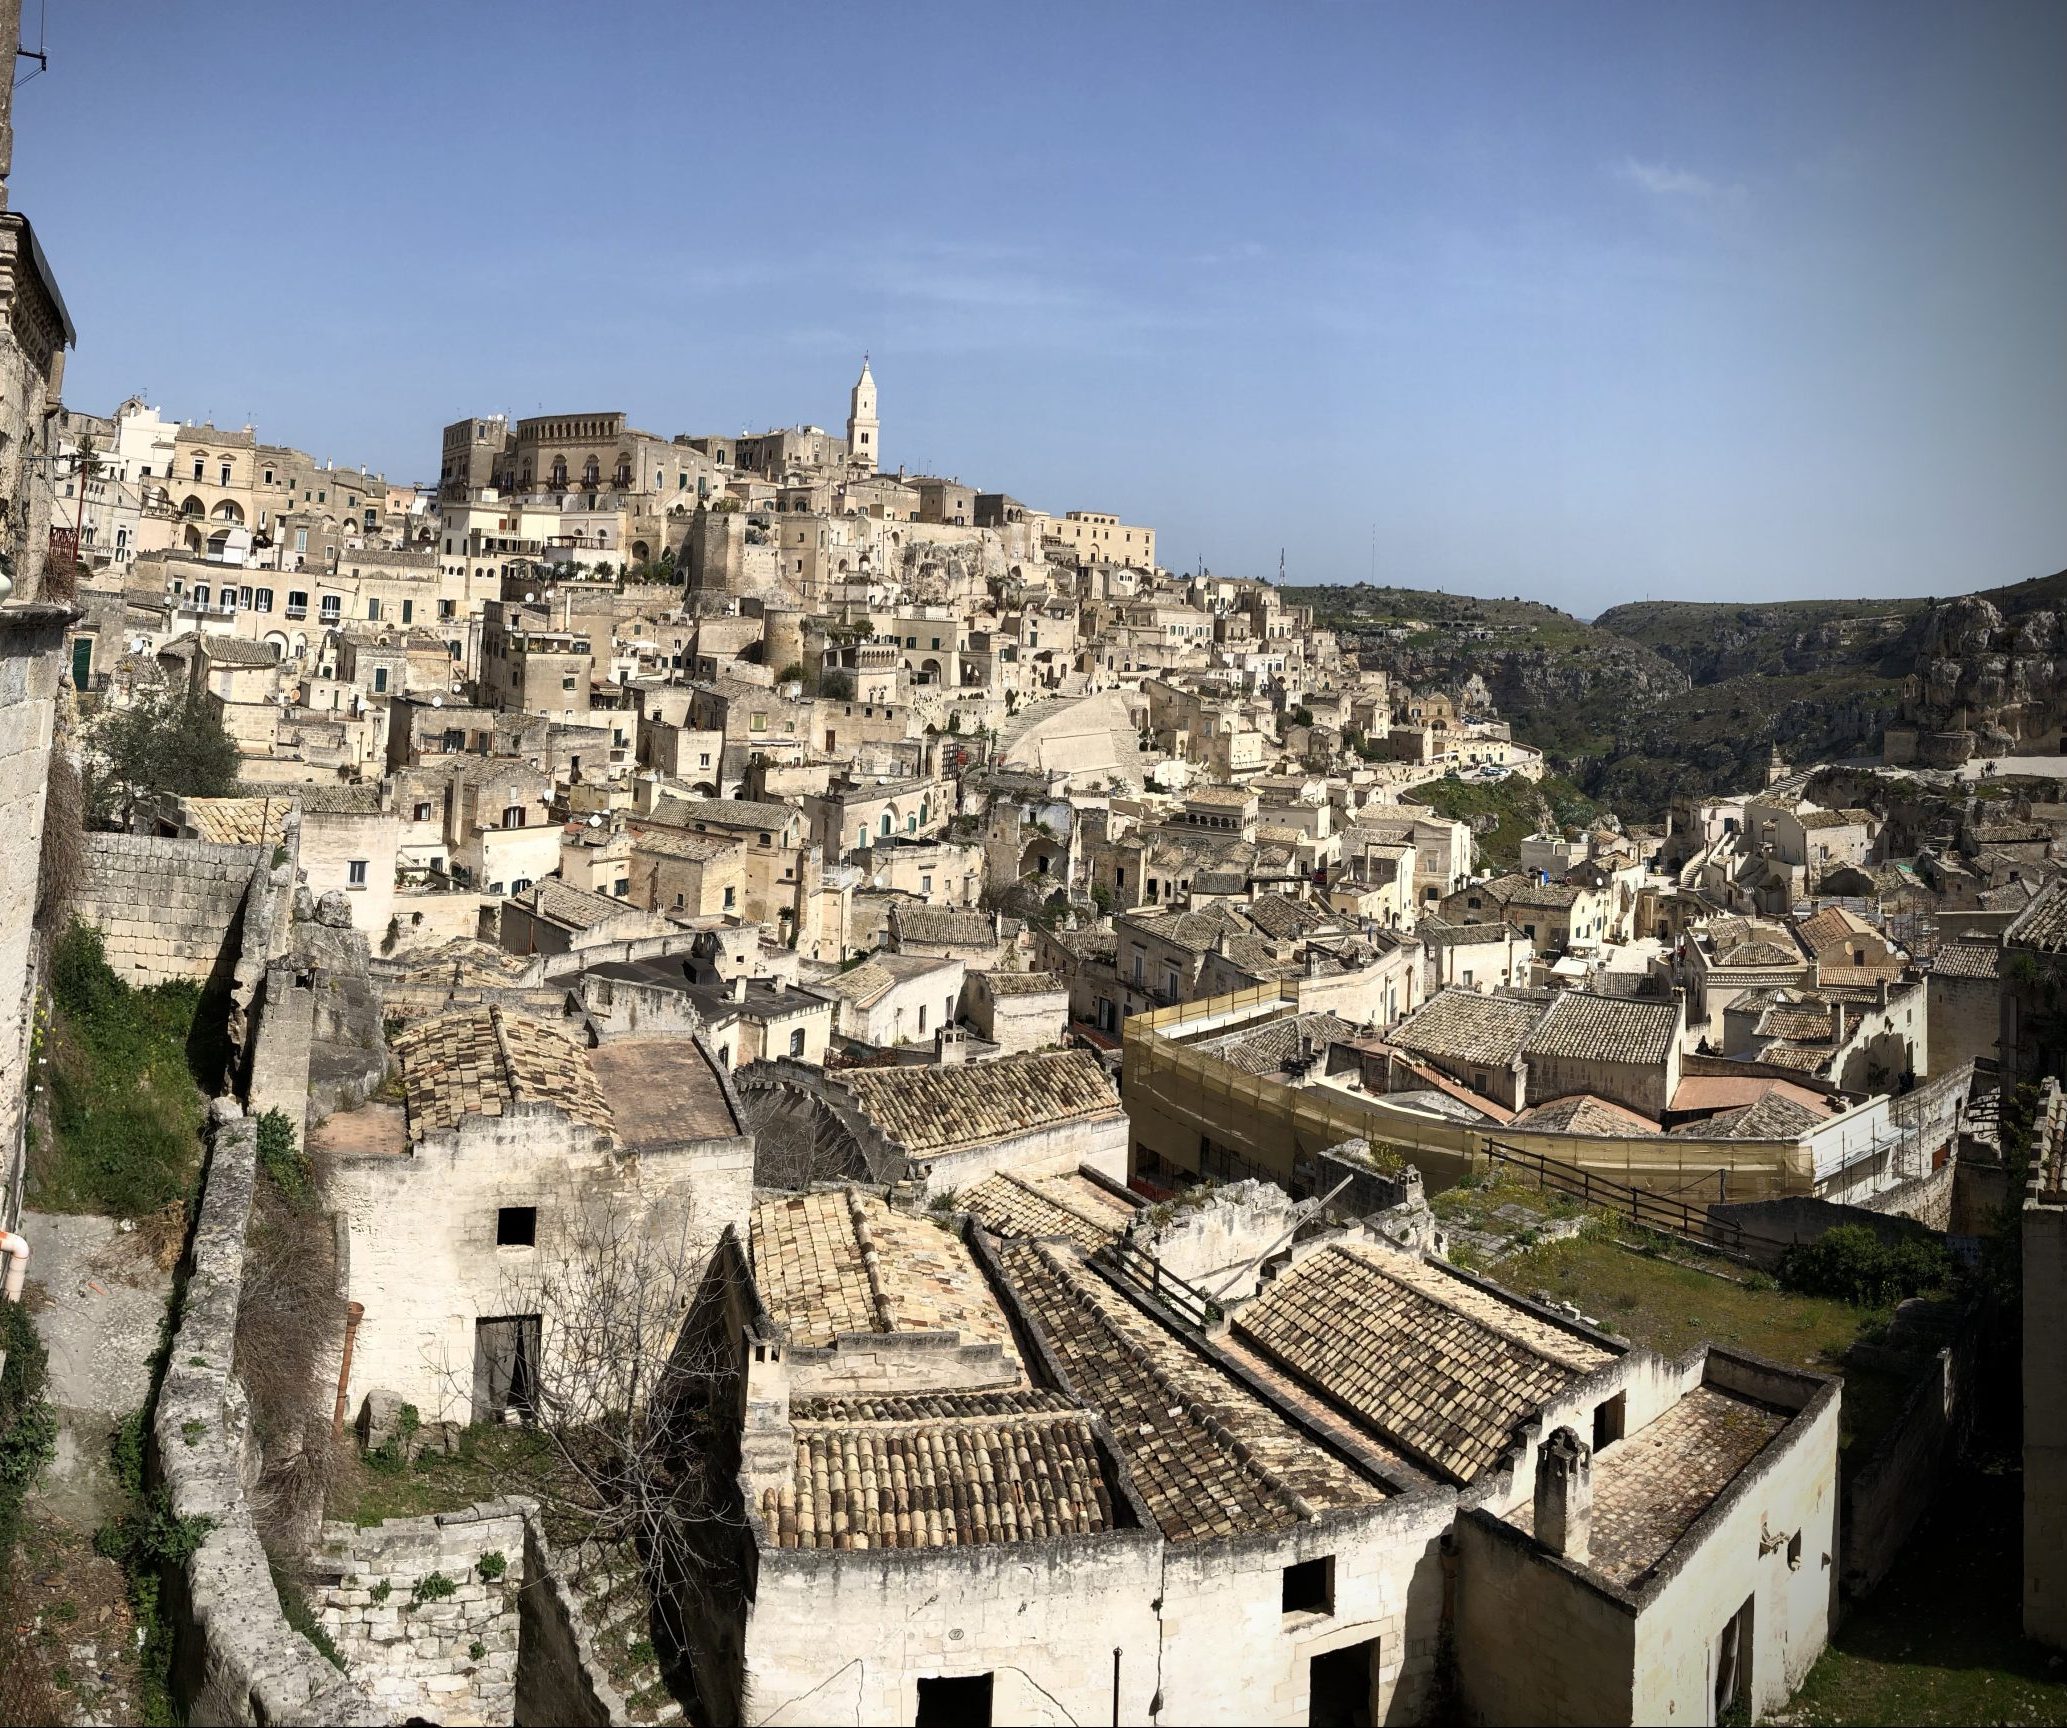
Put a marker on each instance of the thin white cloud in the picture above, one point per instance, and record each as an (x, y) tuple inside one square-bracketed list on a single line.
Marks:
[(1662, 180)]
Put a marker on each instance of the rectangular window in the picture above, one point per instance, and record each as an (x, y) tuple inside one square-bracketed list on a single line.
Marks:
[(516, 1227), (373, 610), (1608, 1419), (796, 1048), (408, 611), (355, 873), (1309, 1587), (380, 680), (954, 1701)]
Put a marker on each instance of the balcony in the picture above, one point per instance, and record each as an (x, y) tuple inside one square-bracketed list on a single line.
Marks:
[(297, 612)]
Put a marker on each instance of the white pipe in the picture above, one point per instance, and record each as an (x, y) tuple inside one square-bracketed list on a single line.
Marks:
[(17, 1245)]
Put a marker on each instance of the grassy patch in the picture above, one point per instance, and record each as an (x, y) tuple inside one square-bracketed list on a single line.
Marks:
[(1670, 1307), (125, 1107), (489, 1462), (1939, 1641), (1516, 805)]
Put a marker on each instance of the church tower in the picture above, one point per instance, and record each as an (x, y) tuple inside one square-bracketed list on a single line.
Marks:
[(864, 436)]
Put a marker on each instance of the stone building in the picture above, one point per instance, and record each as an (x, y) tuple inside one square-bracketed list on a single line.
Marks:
[(517, 1151), (998, 1478), (2044, 1265)]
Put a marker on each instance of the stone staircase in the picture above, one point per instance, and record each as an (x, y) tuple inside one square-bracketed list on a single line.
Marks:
[(609, 1582)]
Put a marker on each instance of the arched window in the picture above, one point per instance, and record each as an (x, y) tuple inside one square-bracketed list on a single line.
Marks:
[(591, 472), (559, 470)]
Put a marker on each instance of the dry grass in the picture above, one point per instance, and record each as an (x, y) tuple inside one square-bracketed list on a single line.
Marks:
[(288, 1320)]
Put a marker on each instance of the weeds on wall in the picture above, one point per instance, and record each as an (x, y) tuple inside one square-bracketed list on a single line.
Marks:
[(148, 1540), (125, 1107)]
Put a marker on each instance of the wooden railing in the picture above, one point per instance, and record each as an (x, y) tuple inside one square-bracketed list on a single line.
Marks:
[(1667, 1214), (1145, 1273)]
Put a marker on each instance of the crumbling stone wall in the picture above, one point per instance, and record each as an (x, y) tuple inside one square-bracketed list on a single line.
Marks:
[(237, 1659), (166, 909), (425, 1610)]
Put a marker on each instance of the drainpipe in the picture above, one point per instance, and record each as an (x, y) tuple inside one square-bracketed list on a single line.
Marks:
[(13, 1243), (354, 1313)]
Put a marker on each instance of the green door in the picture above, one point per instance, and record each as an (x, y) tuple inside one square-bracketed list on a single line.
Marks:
[(82, 661)]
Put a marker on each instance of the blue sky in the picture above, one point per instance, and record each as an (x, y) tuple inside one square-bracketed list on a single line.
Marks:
[(1586, 303)]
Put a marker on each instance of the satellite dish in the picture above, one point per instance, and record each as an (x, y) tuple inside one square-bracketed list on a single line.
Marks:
[(437, 701), (595, 821)]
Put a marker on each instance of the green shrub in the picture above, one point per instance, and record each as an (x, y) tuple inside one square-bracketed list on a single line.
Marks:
[(491, 1567), (283, 1160), (28, 1425), (431, 1587), (124, 1102), (1853, 1264)]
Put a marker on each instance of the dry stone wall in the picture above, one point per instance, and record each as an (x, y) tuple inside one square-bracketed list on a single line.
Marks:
[(166, 909), (425, 1611)]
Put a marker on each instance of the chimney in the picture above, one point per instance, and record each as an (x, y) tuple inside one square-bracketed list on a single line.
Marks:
[(738, 991), (949, 1046), (1564, 1496)]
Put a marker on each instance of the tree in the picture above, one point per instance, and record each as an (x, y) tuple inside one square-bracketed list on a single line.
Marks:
[(638, 1458), (165, 740), (837, 685)]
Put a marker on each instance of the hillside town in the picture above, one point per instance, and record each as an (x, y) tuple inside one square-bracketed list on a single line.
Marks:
[(696, 1077)]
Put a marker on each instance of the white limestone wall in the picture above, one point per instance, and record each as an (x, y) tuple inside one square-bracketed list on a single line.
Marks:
[(845, 1636), (422, 1226)]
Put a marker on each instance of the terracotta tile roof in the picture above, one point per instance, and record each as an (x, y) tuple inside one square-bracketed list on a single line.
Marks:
[(929, 1110), (840, 1261), (683, 843), (1605, 1029), (479, 1061), (1733, 1091), (947, 1471), (1023, 983), (1650, 1487), (1517, 889), (1466, 1027), (1035, 1207), (1582, 1113), (1969, 960), (240, 651), (1829, 927), (1436, 933), (1436, 1366), (1209, 1457), (1771, 1117), (1280, 916), (865, 984), (1851, 976), (238, 821), (953, 926), (569, 906), (1268, 1048), (727, 813)]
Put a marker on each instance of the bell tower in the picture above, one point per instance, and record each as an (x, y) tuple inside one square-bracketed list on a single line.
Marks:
[(864, 436)]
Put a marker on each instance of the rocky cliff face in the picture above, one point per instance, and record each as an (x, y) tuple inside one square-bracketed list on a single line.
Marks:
[(2000, 679)]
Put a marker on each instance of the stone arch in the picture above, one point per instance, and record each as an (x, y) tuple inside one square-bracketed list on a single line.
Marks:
[(799, 1137)]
